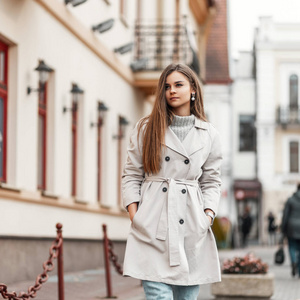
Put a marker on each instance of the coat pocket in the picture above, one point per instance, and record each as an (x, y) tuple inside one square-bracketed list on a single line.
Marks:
[(145, 189), (197, 212)]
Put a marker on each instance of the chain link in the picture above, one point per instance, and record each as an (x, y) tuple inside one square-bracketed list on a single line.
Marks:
[(48, 266), (114, 258)]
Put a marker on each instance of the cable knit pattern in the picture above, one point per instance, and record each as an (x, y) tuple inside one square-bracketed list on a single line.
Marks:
[(182, 125)]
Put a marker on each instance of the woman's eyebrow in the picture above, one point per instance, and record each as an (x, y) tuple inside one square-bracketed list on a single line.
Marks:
[(175, 82)]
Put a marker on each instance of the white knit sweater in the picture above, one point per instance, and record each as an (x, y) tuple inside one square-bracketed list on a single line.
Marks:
[(182, 125)]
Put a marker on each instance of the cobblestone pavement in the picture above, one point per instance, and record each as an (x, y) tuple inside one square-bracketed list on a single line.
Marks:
[(90, 284)]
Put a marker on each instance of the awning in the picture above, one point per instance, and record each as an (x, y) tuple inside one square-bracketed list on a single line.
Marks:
[(247, 189)]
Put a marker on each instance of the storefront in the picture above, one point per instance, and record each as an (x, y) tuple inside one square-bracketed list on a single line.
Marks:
[(248, 196)]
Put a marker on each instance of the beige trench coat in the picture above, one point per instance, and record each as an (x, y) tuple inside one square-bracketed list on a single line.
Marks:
[(170, 238)]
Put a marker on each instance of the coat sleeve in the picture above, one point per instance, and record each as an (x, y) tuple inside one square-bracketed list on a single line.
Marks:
[(210, 181), (133, 173)]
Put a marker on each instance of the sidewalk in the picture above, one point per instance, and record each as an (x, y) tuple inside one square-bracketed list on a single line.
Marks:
[(90, 284)]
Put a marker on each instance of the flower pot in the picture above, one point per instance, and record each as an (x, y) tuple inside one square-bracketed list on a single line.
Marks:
[(257, 286)]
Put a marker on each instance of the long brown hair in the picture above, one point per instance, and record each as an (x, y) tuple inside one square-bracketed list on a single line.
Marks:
[(155, 125)]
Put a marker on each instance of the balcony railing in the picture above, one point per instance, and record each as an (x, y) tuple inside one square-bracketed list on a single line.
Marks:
[(157, 45), (288, 115)]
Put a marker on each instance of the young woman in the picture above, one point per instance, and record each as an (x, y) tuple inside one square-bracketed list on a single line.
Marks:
[(171, 189)]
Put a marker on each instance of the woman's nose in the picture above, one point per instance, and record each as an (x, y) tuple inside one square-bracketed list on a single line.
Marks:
[(172, 90)]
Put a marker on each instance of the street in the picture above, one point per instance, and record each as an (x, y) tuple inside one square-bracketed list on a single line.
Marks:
[(90, 284)]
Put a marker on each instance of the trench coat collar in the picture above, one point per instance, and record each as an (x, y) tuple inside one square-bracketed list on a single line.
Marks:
[(192, 141), (200, 124)]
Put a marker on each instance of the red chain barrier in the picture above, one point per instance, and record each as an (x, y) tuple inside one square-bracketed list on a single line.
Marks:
[(109, 255), (55, 252), (114, 258)]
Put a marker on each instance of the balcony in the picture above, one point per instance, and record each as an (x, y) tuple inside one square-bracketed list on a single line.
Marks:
[(156, 46), (288, 116)]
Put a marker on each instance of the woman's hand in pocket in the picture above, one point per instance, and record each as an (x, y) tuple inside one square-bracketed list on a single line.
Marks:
[(132, 209)]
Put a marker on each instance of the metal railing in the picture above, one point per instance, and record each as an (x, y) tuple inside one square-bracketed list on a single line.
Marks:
[(157, 45), (288, 115), (56, 251)]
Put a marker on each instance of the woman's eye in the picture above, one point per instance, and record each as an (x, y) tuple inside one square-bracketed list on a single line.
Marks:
[(167, 87), (178, 84)]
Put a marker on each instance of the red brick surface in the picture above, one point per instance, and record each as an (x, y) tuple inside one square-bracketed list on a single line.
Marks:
[(217, 60)]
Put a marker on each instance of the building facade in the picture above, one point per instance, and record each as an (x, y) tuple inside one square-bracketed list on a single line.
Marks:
[(75, 77), (246, 186), (277, 64), (218, 107)]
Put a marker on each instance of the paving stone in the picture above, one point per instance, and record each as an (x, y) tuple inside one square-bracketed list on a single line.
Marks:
[(90, 284)]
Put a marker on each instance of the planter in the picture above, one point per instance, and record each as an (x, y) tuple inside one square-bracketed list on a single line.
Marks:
[(248, 286)]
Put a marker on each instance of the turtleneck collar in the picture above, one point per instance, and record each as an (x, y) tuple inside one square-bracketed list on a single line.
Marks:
[(182, 121), (181, 125)]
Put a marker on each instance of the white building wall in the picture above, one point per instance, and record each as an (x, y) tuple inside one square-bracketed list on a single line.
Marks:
[(35, 34), (243, 99), (92, 13), (265, 117), (31, 220), (217, 105)]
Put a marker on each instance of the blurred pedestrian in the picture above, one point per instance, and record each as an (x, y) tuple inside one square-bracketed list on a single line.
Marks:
[(272, 227), (246, 225), (171, 189), (291, 229)]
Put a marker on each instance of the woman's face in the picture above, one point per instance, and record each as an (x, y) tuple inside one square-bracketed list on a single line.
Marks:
[(178, 93)]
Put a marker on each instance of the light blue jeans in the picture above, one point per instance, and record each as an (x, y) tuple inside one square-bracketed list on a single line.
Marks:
[(162, 291)]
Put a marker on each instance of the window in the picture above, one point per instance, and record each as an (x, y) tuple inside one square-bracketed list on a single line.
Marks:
[(294, 156), (120, 145), (294, 91), (99, 145), (42, 121), (3, 109), (2, 138), (247, 133), (2, 65), (74, 147), (121, 151)]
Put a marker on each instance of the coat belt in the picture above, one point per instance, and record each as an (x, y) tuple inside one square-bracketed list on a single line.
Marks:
[(168, 221)]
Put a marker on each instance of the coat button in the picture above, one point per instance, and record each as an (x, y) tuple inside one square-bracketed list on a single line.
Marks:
[(167, 158), (164, 189), (181, 221), (186, 161), (183, 191)]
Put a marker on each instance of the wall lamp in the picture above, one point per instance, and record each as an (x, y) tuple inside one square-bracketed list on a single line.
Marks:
[(75, 2), (139, 64), (104, 26), (44, 71), (124, 49), (102, 108), (76, 91), (122, 124)]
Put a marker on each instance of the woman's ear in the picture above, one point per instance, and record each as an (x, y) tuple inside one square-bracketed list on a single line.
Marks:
[(193, 90)]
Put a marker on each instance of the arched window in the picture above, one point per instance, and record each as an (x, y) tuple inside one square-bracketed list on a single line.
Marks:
[(294, 156), (42, 136), (3, 109), (294, 90)]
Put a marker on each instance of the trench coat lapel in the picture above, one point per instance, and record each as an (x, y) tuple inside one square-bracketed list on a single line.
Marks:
[(193, 141), (173, 142)]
